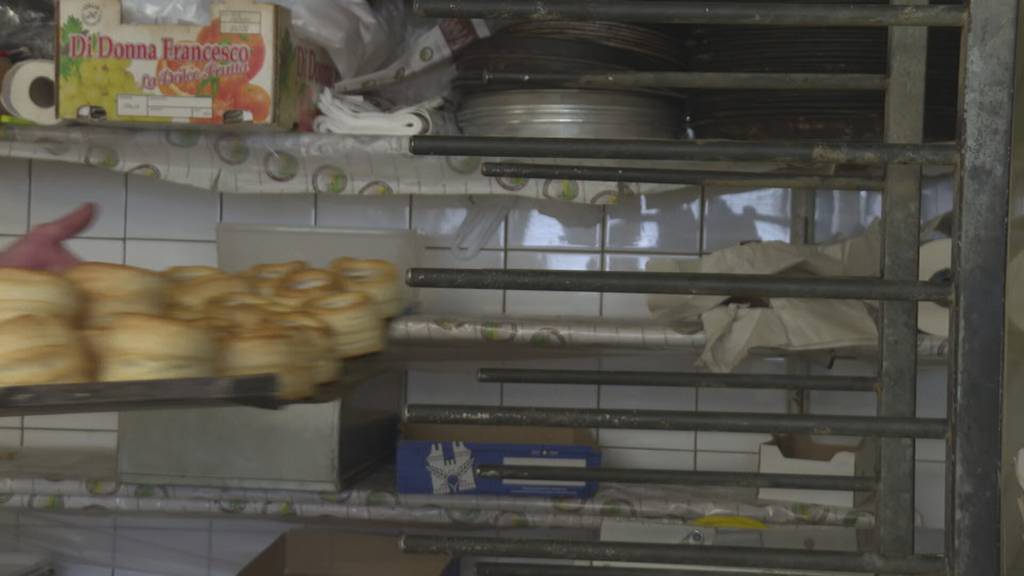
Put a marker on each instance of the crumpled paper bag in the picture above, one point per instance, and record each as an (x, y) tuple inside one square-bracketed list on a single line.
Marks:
[(785, 323)]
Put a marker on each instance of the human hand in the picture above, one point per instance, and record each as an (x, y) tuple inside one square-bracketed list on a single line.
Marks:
[(42, 248)]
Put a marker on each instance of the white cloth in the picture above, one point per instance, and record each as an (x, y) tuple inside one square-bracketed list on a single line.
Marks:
[(785, 323), (353, 115)]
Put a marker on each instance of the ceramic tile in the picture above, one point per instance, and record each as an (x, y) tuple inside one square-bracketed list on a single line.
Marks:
[(931, 403), (162, 254), (390, 212), (659, 361), (6, 241), (930, 493), (277, 209), (91, 537), (649, 439), (937, 194), (10, 438), (648, 398), (844, 213), (231, 551), (461, 302), (14, 195), (550, 395), (931, 392), (98, 421), (11, 422), (92, 439), (727, 461), (546, 224), (163, 551), (627, 305), (663, 222), (843, 403), (633, 458), (757, 401), (95, 250), (66, 569), (529, 302), (733, 217), (438, 218), (158, 209), (59, 188), (449, 387)]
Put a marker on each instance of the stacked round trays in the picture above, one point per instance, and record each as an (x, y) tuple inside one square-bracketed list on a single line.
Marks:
[(845, 115), (570, 47)]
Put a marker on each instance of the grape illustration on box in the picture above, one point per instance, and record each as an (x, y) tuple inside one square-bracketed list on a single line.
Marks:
[(242, 68)]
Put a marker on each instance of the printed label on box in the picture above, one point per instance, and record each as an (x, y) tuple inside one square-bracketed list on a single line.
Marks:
[(451, 468), (425, 467)]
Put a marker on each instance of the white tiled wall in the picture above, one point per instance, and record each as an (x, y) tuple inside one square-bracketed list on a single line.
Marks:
[(155, 224)]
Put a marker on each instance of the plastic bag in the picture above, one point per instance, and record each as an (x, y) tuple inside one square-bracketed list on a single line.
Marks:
[(359, 38), (27, 25)]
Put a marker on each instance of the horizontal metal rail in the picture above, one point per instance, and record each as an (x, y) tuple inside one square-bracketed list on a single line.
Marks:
[(665, 176), (710, 150), (677, 379), (493, 569), (667, 420), (687, 80), (508, 569), (689, 478), (734, 13), (736, 285), (731, 556)]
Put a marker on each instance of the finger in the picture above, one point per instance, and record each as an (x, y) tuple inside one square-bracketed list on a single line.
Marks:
[(61, 260), (68, 225)]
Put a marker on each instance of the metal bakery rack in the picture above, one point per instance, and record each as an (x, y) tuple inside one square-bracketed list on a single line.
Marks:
[(982, 160), (977, 467)]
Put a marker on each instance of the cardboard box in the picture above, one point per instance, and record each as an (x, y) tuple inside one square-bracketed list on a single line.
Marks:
[(801, 454), (244, 68), (313, 552), (443, 459)]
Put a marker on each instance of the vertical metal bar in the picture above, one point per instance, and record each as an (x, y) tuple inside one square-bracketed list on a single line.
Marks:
[(979, 259), (904, 120), (801, 231)]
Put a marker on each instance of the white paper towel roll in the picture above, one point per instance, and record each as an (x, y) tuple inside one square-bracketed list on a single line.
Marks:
[(935, 258), (28, 92)]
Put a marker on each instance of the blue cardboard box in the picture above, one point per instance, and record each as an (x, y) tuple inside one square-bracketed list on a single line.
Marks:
[(443, 459)]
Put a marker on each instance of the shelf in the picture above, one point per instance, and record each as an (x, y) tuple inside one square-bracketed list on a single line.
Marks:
[(292, 163), (258, 391), (376, 500), (439, 338)]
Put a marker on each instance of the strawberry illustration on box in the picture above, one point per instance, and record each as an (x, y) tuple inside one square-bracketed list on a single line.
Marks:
[(245, 67)]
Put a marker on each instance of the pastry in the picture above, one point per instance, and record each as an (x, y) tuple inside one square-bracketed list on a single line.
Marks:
[(186, 273), (298, 287), (42, 350), (112, 289), (378, 279), (28, 292), (318, 347), (141, 347), (195, 294), (353, 321), (264, 277), (270, 350)]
